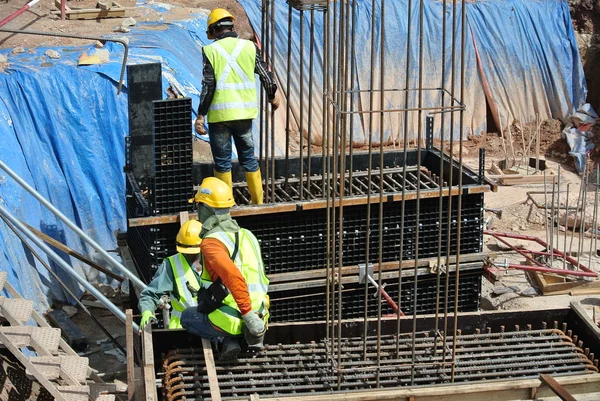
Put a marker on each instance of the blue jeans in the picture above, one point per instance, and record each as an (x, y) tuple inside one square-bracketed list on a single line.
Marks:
[(199, 325), (220, 144)]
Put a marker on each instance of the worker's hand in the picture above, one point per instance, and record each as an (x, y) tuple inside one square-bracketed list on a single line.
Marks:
[(147, 316), (199, 125), (275, 102), (255, 324)]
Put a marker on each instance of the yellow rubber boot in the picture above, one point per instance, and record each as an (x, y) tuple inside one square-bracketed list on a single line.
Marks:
[(225, 177), (255, 187)]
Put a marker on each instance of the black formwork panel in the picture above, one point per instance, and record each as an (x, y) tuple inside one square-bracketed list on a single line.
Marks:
[(150, 245), (297, 241), (173, 157), (309, 304)]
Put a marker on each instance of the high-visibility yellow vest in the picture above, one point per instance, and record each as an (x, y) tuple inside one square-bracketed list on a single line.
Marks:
[(182, 274), (249, 261), (235, 97)]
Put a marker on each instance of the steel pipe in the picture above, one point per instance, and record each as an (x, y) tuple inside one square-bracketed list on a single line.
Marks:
[(65, 266), (73, 227)]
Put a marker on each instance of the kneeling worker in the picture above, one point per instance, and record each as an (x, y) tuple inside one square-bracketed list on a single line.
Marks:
[(176, 278), (232, 302)]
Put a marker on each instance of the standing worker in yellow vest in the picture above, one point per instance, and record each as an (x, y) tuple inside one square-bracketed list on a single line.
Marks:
[(233, 301), (176, 277), (230, 101)]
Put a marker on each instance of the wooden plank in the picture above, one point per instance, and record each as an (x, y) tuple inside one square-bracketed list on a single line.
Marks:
[(92, 13), (308, 205), (148, 362), (213, 381), (559, 390), (130, 351), (386, 266), (62, 247), (581, 287)]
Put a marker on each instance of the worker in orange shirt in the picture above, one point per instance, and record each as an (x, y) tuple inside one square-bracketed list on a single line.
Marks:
[(232, 300)]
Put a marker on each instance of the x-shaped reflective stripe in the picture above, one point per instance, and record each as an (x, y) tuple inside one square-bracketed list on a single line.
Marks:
[(232, 65)]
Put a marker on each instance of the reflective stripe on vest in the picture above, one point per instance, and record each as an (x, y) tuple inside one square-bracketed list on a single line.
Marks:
[(249, 262), (235, 96), (182, 274)]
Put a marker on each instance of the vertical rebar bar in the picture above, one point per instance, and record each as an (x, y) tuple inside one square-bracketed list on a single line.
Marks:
[(450, 174), (325, 174), (557, 213), (341, 134), (566, 227), (272, 54), (460, 181), (546, 208), (265, 137), (404, 164), (552, 211), (263, 107), (577, 208), (584, 182), (381, 165), (594, 230), (369, 170), (288, 83), (351, 87), (418, 200), (301, 126), (311, 62), (441, 180)]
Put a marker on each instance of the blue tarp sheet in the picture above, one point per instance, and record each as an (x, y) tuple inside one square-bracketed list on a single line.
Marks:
[(63, 126), (65, 137), (527, 49)]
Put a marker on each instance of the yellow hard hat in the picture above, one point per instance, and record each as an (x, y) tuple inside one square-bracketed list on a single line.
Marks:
[(214, 193), (188, 238), (215, 16)]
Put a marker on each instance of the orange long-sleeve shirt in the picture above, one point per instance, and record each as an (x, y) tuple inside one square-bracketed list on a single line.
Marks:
[(218, 264)]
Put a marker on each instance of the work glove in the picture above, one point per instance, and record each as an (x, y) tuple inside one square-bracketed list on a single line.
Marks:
[(275, 102), (147, 316), (254, 324), (199, 125), (254, 343)]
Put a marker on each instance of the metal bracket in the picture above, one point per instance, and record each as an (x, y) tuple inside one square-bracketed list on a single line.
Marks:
[(164, 304), (364, 271), (429, 132)]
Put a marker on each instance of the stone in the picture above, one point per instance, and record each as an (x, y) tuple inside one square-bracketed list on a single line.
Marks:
[(18, 50), (499, 290), (121, 28), (98, 45), (52, 54), (69, 310), (3, 59), (129, 21), (103, 55), (529, 292)]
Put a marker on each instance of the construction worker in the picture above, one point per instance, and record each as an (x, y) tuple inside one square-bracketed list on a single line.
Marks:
[(233, 301), (229, 99), (176, 278)]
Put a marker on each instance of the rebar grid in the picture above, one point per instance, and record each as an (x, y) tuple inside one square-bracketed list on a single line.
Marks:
[(286, 369), (361, 183)]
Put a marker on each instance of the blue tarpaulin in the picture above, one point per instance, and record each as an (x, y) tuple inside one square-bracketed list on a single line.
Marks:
[(63, 126), (527, 50), (62, 129)]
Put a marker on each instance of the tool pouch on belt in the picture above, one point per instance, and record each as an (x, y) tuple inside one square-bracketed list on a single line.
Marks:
[(211, 298)]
